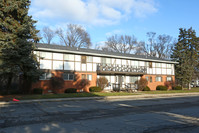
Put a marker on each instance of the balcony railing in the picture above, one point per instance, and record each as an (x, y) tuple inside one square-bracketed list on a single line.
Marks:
[(114, 68)]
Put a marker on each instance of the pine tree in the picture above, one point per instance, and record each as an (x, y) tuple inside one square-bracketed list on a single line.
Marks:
[(186, 53), (17, 37)]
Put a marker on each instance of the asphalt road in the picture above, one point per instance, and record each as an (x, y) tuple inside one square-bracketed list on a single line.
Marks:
[(149, 115)]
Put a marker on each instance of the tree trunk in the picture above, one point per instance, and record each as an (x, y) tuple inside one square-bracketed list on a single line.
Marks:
[(8, 85), (189, 86)]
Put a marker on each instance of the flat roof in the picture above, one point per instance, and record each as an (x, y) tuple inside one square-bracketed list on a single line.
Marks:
[(94, 52)]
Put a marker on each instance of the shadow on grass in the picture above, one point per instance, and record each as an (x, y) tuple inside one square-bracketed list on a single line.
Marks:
[(65, 95)]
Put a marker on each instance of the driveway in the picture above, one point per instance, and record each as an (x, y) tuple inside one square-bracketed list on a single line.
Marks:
[(148, 115)]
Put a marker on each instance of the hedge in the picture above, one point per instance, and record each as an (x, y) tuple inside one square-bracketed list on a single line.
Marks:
[(70, 90), (37, 91), (177, 88), (95, 89), (161, 88), (146, 89)]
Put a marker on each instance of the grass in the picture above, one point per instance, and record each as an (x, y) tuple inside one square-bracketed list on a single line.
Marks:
[(172, 91), (92, 94), (65, 95)]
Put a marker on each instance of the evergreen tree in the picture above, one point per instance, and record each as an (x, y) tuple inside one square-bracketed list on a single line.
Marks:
[(186, 53), (17, 37)]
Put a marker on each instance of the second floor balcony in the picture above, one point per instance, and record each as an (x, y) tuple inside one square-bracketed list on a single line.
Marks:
[(120, 69)]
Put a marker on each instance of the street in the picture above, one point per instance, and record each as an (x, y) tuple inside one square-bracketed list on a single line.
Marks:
[(144, 115)]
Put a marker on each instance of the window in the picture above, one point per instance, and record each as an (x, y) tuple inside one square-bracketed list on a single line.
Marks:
[(83, 76), (169, 78), (150, 64), (151, 79), (68, 76), (89, 59), (158, 78), (89, 76), (83, 59), (45, 76)]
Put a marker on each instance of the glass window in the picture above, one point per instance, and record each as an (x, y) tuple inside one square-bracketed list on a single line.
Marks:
[(83, 59), (150, 64), (83, 76), (147, 78), (58, 65), (45, 64), (68, 65), (68, 76), (89, 76), (133, 79), (169, 78), (46, 76), (158, 78), (151, 79), (89, 59)]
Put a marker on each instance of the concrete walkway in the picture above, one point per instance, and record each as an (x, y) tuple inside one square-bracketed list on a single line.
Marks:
[(130, 97)]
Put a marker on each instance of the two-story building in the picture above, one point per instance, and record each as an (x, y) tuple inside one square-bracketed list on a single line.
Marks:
[(123, 70)]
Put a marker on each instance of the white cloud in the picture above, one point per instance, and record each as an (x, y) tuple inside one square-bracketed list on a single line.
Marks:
[(96, 12), (117, 31)]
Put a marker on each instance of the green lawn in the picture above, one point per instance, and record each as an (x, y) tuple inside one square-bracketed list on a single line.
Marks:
[(66, 95), (172, 91), (93, 94)]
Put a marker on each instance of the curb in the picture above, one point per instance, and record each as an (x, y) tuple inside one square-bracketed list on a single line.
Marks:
[(132, 97)]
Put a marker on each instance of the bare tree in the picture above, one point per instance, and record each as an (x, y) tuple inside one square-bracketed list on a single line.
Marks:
[(75, 36), (160, 47), (121, 43), (48, 34)]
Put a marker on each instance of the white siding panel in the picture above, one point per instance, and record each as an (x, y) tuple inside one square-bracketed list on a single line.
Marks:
[(154, 71), (57, 65), (118, 61), (77, 58), (89, 67), (45, 64), (168, 71), (153, 64), (158, 71), (83, 67), (164, 71), (69, 65), (57, 56), (123, 62), (142, 63), (94, 67), (46, 55), (113, 61), (77, 66), (97, 59)]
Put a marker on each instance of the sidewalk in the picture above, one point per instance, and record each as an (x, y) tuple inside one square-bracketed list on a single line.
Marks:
[(132, 97)]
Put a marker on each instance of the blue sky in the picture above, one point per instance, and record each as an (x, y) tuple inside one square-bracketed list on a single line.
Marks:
[(103, 18)]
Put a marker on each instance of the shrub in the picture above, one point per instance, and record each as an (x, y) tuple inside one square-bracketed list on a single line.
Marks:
[(177, 88), (102, 82), (142, 83), (70, 90), (56, 83), (169, 84), (37, 91), (161, 88), (95, 89), (146, 89)]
